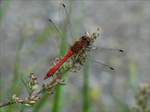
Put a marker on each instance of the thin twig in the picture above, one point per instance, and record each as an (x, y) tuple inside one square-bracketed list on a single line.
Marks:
[(7, 104)]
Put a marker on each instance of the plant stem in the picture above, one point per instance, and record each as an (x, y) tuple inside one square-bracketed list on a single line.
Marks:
[(86, 97), (6, 104)]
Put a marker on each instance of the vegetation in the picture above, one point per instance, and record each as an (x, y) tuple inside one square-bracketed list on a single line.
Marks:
[(49, 96)]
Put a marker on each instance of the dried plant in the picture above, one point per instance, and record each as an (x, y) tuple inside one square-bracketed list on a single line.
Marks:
[(142, 99), (36, 91)]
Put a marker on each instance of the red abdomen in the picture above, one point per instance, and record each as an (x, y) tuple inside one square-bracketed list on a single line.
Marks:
[(58, 64)]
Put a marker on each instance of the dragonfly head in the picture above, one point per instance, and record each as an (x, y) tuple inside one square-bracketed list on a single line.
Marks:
[(92, 37)]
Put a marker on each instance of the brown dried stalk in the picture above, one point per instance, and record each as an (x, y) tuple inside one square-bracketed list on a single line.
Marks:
[(142, 99), (7, 104), (36, 93)]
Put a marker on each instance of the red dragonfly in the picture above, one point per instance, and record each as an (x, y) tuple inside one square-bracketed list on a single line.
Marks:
[(78, 50)]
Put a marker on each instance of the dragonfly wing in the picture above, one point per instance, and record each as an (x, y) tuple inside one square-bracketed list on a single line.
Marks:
[(107, 51), (100, 53), (101, 66)]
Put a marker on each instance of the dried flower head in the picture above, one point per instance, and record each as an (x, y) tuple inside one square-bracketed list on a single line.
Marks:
[(142, 99)]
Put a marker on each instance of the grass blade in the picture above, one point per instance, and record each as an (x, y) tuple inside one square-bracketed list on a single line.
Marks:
[(86, 97)]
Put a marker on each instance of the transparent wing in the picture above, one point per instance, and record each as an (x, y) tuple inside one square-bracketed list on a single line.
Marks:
[(100, 66), (64, 27), (101, 56), (108, 51), (106, 54)]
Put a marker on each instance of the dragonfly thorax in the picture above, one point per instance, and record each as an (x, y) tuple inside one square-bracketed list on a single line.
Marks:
[(81, 44)]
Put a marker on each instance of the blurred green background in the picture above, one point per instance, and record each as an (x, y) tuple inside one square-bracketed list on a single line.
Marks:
[(28, 42)]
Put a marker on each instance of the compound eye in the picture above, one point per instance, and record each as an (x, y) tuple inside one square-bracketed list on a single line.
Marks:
[(83, 37)]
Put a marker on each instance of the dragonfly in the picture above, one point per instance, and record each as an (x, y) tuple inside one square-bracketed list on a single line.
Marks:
[(77, 54)]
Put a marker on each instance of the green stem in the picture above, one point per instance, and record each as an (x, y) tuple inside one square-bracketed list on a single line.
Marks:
[(4, 5), (133, 75), (56, 103), (86, 97), (57, 97)]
